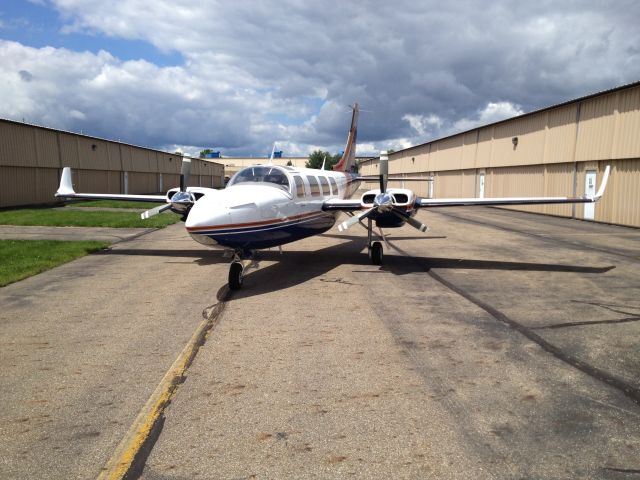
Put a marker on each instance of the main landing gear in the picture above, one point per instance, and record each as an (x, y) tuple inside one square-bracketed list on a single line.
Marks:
[(374, 248)]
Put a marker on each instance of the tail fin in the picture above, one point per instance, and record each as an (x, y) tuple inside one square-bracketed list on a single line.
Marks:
[(348, 159)]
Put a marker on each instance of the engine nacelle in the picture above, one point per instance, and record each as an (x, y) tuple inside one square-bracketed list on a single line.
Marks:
[(402, 198)]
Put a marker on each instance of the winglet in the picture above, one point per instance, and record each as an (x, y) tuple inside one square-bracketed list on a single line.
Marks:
[(603, 185), (66, 186)]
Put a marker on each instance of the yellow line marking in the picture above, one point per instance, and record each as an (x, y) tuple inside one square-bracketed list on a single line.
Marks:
[(122, 459)]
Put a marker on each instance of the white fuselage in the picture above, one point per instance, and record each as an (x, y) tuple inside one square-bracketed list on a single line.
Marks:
[(265, 206)]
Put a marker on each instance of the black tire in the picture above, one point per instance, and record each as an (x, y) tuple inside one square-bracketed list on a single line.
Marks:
[(235, 276), (376, 253)]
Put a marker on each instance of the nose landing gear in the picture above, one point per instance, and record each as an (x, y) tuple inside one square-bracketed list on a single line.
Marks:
[(236, 274), (238, 267)]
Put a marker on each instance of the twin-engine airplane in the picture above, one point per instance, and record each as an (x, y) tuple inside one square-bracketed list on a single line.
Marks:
[(266, 206)]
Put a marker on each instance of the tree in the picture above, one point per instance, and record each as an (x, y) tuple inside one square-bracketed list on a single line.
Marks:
[(204, 152), (289, 163), (317, 157)]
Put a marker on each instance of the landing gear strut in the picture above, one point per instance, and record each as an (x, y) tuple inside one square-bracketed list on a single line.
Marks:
[(374, 248)]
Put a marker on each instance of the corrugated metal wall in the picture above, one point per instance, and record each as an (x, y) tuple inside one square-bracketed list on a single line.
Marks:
[(554, 150), (31, 160)]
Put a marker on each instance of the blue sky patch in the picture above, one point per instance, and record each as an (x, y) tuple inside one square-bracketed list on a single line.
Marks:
[(37, 25)]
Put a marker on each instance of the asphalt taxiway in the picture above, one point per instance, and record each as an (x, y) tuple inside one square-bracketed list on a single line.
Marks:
[(498, 345)]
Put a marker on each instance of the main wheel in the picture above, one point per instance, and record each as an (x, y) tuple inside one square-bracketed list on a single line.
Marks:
[(376, 253), (236, 271)]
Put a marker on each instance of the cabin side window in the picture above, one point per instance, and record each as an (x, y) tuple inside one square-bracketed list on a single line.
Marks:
[(334, 186), (299, 186), (326, 190), (313, 183)]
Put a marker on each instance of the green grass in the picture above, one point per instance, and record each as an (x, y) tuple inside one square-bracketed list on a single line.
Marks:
[(23, 258), (114, 204), (59, 217)]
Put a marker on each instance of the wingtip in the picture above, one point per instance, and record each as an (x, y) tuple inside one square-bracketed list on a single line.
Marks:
[(603, 184), (66, 184)]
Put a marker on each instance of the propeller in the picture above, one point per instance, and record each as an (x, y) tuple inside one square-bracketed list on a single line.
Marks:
[(185, 169), (182, 200), (154, 211), (384, 171), (411, 221), (383, 202)]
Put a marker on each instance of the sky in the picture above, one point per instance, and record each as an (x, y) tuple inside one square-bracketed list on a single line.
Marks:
[(237, 76)]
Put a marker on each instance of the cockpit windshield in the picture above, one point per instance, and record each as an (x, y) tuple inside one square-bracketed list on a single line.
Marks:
[(261, 174)]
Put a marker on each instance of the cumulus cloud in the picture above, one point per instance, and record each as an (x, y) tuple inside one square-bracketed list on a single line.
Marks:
[(286, 71), (492, 112)]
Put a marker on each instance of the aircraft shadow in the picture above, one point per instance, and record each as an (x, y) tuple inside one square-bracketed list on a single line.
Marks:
[(202, 256), (296, 267)]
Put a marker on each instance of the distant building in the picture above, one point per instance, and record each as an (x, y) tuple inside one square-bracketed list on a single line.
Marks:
[(32, 158), (557, 151)]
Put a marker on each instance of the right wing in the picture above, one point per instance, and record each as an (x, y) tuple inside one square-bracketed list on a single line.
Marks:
[(65, 190)]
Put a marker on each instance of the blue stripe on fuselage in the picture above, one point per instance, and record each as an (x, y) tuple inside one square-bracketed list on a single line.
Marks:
[(256, 238)]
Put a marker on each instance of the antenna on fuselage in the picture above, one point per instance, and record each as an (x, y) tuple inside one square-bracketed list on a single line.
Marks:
[(273, 151), (324, 160)]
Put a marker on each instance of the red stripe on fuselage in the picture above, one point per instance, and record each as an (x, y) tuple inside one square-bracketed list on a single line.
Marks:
[(253, 224)]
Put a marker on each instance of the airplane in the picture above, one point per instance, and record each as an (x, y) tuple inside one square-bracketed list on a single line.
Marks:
[(265, 206)]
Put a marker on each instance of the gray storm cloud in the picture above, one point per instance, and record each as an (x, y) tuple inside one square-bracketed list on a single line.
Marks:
[(287, 70)]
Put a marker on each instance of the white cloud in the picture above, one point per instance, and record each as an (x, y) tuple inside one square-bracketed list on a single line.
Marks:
[(492, 112), (423, 124)]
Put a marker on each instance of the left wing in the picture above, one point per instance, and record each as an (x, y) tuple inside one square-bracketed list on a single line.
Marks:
[(348, 205), (455, 202)]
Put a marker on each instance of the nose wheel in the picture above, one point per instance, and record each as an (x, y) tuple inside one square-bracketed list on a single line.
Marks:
[(241, 261), (236, 274)]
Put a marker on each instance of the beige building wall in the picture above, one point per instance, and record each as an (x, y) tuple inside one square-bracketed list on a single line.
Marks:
[(544, 153), (32, 158)]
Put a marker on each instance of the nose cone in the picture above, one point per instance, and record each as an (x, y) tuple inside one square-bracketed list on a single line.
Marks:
[(235, 205), (209, 211)]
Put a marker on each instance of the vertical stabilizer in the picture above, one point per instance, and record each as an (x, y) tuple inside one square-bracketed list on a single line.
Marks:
[(348, 159)]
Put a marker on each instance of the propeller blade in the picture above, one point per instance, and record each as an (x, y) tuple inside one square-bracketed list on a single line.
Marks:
[(384, 170), (417, 224), (355, 219), (411, 221), (184, 173), (154, 211)]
